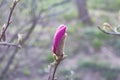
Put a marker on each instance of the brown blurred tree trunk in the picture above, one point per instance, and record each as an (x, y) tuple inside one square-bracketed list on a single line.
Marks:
[(83, 12)]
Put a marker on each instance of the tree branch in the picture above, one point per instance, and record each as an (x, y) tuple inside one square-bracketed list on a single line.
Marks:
[(9, 18), (10, 44), (115, 32)]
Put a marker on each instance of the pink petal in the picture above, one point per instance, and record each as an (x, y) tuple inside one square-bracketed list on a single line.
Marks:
[(60, 32)]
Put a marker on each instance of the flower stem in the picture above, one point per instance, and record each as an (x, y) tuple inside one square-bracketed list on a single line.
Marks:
[(56, 66), (53, 69)]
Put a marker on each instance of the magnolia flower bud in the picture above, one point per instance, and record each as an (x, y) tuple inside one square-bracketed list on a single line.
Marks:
[(20, 39), (107, 25), (59, 41), (60, 47), (4, 33)]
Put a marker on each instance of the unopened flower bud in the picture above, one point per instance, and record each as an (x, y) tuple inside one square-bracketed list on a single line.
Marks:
[(4, 33), (107, 25), (59, 41), (20, 37)]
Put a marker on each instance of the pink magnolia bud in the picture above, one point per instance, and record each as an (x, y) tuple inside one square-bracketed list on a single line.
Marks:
[(59, 40)]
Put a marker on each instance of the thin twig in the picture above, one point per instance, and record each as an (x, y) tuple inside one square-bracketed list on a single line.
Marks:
[(9, 19), (111, 33), (10, 44)]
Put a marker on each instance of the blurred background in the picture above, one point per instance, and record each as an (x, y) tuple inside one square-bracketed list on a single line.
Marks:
[(92, 55)]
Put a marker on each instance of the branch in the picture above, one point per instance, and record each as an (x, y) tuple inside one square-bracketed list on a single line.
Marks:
[(115, 31), (9, 18), (10, 44)]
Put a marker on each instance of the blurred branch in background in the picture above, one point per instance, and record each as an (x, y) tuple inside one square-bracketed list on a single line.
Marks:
[(37, 17), (83, 12), (1, 3), (56, 4), (40, 16)]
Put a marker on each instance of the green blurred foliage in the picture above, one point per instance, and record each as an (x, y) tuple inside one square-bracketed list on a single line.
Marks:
[(97, 38), (92, 65), (26, 71), (115, 43), (50, 58), (112, 5), (107, 72), (97, 43), (110, 74), (71, 14), (74, 27)]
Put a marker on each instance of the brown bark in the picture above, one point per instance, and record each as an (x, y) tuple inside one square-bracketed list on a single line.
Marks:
[(83, 12)]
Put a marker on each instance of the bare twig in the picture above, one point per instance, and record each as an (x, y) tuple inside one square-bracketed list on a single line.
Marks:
[(9, 18), (10, 44), (115, 32), (11, 58)]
